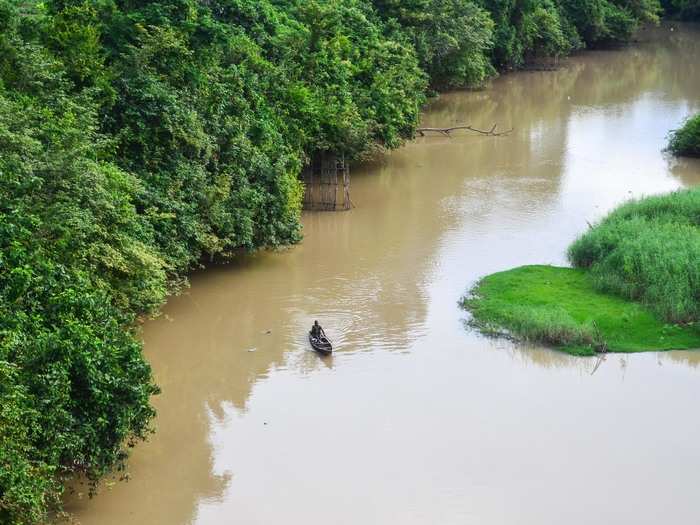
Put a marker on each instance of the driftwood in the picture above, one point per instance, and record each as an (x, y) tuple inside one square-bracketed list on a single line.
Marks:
[(446, 131)]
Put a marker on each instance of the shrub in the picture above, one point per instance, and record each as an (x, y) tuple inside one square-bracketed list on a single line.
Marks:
[(453, 38), (685, 141)]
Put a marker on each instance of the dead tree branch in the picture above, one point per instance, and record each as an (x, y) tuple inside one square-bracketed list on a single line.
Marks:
[(446, 131)]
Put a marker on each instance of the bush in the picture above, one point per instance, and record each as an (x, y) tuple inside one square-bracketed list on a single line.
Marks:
[(648, 250), (526, 31), (686, 140), (75, 263)]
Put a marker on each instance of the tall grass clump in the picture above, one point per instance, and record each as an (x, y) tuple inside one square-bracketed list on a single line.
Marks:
[(526, 304), (648, 250), (552, 325), (685, 141)]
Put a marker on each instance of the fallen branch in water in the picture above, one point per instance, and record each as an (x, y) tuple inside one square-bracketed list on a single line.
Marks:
[(446, 131)]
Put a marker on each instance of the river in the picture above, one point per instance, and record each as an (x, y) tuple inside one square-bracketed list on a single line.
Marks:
[(416, 419)]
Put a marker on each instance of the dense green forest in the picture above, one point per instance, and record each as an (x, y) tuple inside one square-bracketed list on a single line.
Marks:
[(139, 138)]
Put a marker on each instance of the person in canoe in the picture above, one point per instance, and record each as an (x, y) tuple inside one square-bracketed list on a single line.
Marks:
[(317, 331)]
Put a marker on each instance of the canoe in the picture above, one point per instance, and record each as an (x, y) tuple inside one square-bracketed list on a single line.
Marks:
[(321, 344)]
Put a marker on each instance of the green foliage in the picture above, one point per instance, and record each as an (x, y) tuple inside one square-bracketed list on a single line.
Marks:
[(529, 30), (605, 22), (133, 143), (74, 34), (533, 29), (685, 141), (648, 250), (561, 307), (24, 480), (357, 86), (74, 262), (459, 42), (683, 9), (453, 38)]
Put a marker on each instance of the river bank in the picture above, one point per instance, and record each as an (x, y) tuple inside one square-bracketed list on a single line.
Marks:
[(635, 285), (561, 307)]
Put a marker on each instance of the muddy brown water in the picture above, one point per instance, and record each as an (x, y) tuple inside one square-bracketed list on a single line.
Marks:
[(415, 419)]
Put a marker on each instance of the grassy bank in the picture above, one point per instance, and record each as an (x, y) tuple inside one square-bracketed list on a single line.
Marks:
[(562, 307), (636, 285)]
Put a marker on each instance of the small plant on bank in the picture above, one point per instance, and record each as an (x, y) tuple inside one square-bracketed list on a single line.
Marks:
[(685, 141)]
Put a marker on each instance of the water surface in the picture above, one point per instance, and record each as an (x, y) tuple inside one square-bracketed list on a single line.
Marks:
[(415, 419)]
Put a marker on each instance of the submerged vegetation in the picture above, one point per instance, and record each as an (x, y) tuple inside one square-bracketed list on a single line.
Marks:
[(140, 138), (636, 286), (685, 141)]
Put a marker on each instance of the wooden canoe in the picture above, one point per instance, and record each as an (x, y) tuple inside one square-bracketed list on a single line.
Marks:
[(321, 344)]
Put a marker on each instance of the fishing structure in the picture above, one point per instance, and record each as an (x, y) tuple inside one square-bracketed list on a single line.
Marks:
[(327, 183)]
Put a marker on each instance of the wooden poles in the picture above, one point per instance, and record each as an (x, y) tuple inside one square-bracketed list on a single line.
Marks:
[(322, 183)]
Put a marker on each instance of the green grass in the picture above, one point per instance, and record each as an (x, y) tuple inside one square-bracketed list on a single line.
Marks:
[(561, 307), (648, 250)]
